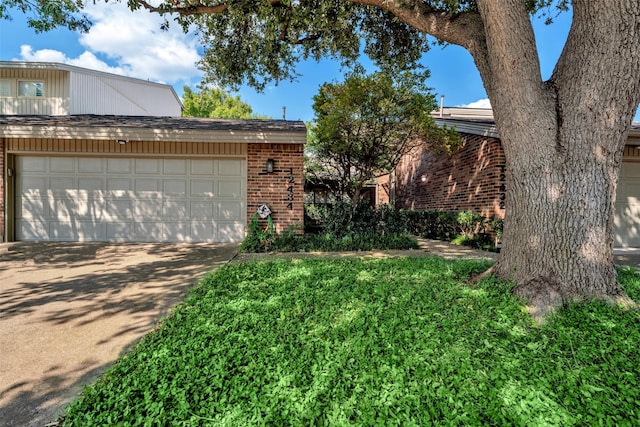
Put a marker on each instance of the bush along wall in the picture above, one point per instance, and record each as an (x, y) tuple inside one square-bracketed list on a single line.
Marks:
[(343, 226), (464, 228)]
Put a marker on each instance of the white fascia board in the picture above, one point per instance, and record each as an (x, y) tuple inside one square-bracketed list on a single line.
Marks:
[(144, 134), (473, 128)]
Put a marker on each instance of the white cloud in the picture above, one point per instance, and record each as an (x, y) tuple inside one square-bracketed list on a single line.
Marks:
[(481, 103), (85, 60), (132, 44)]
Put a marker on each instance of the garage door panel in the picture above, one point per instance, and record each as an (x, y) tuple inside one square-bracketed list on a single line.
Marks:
[(82, 231), (147, 231), (119, 210), (92, 185), (32, 164), (203, 231), (64, 165), (90, 165), (174, 167), (202, 209), (33, 206), (232, 168), (147, 166), (174, 209), (147, 208), (119, 166), (62, 231), (119, 232), (33, 184), (118, 186), (32, 229), (118, 199), (147, 187), (230, 189), (62, 185), (202, 188), (203, 167), (175, 232), (230, 210), (174, 187), (62, 208), (91, 209)]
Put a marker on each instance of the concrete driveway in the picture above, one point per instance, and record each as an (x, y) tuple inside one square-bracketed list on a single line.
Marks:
[(68, 310)]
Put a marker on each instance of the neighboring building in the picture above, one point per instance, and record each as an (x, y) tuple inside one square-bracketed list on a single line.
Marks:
[(118, 177), (58, 89), (474, 178)]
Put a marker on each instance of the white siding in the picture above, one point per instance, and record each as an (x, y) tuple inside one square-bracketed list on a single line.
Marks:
[(102, 94), (74, 90), (55, 101)]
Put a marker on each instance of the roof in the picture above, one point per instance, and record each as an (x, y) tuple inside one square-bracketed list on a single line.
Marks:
[(26, 65), (479, 121), (150, 128)]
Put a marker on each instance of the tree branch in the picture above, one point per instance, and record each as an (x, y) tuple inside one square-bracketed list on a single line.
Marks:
[(462, 29), (185, 8), (514, 65)]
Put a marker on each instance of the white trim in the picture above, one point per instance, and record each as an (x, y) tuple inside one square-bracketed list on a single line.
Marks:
[(145, 134)]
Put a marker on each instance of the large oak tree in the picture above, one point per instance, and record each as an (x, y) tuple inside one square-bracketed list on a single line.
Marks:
[(563, 138)]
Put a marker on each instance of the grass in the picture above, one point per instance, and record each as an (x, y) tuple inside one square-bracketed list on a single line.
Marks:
[(397, 342)]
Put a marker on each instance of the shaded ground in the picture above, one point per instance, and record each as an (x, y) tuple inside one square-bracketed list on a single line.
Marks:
[(68, 310)]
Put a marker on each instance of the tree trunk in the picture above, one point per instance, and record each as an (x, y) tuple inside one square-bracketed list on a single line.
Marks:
[(558, 232), (563, 142)]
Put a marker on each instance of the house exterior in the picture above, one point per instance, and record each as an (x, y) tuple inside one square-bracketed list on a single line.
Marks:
[(474, 178), (126, 171), (58, 89)]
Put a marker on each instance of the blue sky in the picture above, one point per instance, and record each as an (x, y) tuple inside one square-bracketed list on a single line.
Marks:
[(132, 44)]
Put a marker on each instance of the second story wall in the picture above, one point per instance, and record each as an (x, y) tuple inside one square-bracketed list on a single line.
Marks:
[(100, 93), (34, 91), (42, 88)]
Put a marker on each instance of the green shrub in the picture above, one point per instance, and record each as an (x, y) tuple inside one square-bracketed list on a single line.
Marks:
[(259, 238), (433, 224), (471, 223)]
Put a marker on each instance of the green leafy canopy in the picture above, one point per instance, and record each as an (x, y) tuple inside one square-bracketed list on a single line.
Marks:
[(212, 102), (267, 38), (365, 125)]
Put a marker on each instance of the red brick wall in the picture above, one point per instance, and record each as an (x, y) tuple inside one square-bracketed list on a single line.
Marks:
[(472, 179), (383, 190), (282, 190)]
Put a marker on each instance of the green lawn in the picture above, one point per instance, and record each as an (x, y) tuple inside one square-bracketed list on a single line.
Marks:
[(372, 342)]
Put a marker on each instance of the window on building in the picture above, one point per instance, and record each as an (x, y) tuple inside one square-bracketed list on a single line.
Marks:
[(33, 89), (5, 87)]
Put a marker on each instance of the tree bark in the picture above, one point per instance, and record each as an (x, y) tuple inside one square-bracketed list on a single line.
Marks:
[(563, 142)]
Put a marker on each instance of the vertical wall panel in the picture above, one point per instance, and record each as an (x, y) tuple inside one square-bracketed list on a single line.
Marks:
[(56, 92)]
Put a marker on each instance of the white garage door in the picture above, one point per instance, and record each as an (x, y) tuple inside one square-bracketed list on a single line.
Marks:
[(627, 216), (130, 200)]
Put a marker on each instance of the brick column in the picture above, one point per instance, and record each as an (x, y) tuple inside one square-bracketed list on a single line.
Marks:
[(282, 190)]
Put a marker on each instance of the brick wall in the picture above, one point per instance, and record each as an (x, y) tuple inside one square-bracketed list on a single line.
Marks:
[(282, 190), (383, 190), (472, 179)]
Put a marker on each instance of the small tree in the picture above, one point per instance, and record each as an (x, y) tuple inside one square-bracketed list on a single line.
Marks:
[(217, 103), (365, 125)]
